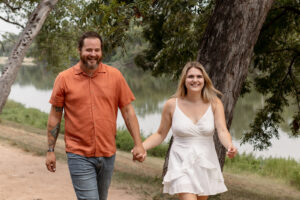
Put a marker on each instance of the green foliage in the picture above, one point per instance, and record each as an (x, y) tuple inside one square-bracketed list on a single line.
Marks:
[(277, 69), (124, 140), (16, 112), (285, 169), (56, 44), (173, 30), (7, 43)]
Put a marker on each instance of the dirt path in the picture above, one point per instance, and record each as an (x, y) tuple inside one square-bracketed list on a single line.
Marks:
[(23, 176)]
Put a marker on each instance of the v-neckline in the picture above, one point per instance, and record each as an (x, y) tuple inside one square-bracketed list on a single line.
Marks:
[(190, 118)]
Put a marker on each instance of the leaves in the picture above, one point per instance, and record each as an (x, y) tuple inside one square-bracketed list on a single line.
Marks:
[(276, 65)]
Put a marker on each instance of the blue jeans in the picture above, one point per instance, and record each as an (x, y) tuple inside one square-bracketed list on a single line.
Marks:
[(91, 176)]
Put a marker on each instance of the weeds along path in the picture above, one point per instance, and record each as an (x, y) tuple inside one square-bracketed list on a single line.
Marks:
[(24, 176)]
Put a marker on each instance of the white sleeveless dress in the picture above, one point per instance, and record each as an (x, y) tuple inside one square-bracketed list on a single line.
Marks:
[(193, 163)]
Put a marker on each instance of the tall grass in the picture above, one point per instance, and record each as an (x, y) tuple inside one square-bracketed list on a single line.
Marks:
[(17, 112), (285, 169)]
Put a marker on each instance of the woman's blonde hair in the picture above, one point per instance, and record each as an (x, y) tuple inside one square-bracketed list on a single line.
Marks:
[(208, 93)]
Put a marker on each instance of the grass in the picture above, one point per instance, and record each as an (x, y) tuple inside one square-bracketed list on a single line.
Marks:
[(17, 112), (280, 168)]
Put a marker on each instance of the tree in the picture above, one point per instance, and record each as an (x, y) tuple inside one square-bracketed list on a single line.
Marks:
[(16, 57), (276, 65), (227, 47)]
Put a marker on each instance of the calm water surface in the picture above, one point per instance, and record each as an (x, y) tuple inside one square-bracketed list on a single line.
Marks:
[(33, 89)]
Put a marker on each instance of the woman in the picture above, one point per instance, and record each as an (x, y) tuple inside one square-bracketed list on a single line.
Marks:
[(194, 113)]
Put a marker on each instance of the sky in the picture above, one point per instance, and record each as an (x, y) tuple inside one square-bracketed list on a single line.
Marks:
[(6, 27)]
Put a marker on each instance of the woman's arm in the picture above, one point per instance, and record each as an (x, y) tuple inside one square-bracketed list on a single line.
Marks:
[(223, 133), (165, 125)]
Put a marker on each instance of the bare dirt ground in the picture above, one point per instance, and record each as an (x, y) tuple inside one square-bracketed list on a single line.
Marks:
[(23, 176)]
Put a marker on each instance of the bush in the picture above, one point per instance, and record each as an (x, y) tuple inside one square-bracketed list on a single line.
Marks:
[(124, 140)]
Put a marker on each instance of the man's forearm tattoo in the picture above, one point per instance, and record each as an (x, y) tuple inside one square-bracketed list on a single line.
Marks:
[(54, 132), (58, 109)]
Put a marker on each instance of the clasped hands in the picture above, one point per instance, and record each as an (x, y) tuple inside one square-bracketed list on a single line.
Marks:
[(138, 153)]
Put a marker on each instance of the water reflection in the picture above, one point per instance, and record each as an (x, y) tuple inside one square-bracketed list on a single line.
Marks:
[(38, 76), (246, 109), (148, 90)]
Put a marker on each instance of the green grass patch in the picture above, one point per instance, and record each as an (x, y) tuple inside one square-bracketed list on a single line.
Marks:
[(281, 168), (18, 113), (124, 142)]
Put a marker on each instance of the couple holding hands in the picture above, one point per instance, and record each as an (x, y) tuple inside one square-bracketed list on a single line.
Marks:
[(90, 94)]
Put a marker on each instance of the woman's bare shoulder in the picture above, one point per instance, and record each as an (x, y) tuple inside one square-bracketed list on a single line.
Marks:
[(170, 104), (216, 102)]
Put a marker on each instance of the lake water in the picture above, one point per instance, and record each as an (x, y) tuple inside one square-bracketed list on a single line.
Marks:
[(33, 89)]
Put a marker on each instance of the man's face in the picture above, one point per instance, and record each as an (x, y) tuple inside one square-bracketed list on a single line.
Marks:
[(91, 53)]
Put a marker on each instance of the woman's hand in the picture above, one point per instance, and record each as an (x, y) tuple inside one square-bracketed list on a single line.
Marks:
[(231, 151)]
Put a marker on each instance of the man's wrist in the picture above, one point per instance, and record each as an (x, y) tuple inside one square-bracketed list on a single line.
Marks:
[(50, 149)]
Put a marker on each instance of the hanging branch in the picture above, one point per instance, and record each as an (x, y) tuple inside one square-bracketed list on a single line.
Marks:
[(11, 22), (11, 7), (291, 75)]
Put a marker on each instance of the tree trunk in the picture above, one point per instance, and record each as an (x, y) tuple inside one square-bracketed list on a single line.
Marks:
[(33, 27), (226, 50)]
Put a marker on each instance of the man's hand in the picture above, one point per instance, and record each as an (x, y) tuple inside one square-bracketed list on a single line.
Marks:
[(51, 161), (139, 153)]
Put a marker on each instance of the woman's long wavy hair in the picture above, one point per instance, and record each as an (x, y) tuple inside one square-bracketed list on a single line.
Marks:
[(208, 93)]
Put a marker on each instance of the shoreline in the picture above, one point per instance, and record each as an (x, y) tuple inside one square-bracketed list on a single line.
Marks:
[(28, 61)]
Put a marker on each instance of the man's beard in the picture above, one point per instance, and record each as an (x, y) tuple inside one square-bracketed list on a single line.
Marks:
[(85, 62)]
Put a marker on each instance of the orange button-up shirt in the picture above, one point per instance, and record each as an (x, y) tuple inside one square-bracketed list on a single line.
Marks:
[(91, 108)]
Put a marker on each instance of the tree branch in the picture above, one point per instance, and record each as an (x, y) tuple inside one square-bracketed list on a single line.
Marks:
[(11, 7), (8, 21), (290, 72)]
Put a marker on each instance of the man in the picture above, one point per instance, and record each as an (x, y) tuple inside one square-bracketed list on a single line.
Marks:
[(90, 94)]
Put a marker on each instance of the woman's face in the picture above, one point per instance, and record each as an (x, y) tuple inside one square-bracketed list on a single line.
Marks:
[(194, 80)]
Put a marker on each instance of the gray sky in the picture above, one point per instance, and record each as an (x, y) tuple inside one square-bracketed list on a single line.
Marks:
[(6, 27)]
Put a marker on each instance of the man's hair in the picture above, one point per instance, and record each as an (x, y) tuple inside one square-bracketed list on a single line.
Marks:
[(89, 34)]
